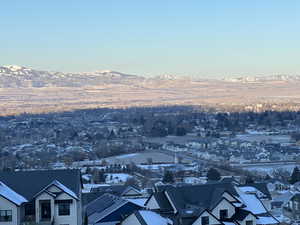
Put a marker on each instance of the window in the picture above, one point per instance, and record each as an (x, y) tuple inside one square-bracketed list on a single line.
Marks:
[(204, 220), (29, 209), (249, 222), (5, 215), (223, 214), (64, 209)]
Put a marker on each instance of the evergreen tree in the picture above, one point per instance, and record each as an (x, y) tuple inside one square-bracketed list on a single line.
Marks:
[(295, 175), (213, 174), (249, 180), (168, 177), (180, 131), (132, 182)]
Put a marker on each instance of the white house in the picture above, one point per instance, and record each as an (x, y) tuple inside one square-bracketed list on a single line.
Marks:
[(43, 197)]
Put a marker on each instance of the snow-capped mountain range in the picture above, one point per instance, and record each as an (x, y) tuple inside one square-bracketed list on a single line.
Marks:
[(249, 79), (19, 76)]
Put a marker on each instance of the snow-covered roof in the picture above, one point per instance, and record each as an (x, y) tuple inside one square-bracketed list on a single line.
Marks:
[(11, 195), (266, 220), (249, 189), (152, 218), (138, 201), (251, 201)]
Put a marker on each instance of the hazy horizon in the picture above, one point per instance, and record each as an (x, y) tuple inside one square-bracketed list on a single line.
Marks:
[(201, 39)]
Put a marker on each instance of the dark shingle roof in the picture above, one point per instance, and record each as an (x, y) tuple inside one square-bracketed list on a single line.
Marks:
[(89, 197), (162, 201), (29, 183), (241, 214), (109, 205), (113, 189), (202, 196), (103, 202)]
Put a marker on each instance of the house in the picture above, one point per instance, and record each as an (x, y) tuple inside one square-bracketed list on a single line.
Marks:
[(261, 191), (109, 209), (291, 208), (146, 217), (44, 197), (119, 190), (280, 206), (210, 204)]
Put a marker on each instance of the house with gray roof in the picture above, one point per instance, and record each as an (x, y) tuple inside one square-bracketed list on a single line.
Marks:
[(211, 204), (109, 209), (41, 197)]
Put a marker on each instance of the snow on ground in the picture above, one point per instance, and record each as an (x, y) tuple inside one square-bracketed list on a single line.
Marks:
[(115, 178), (87, 187), (126, 156), (268, 169)]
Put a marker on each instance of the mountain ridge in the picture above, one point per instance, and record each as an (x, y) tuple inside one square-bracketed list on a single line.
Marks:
[(13, 76)]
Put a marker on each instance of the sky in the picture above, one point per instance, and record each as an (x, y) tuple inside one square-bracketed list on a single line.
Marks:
[(209, 38)]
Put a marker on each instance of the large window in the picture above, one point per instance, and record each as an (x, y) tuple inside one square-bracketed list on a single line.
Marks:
[(223, 214), (63, 209), (204, 220), (5, 215), (249, 222)]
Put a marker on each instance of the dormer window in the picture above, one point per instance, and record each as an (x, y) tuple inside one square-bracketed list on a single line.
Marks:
[(249, 222), (204, 220), (223, 214)]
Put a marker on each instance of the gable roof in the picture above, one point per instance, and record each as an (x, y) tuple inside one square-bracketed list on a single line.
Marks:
[(161, 200), (202, 196), (241, 214), (29, 183), (59, 186), (105, 205), (222, 199), (252, 203), (146, 217), (11, 195), (118, 190)]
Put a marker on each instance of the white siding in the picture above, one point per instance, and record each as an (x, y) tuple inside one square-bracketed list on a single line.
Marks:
[(224, 204), (152, 203), (249, 217), (7, 205), (212, 220), (72, 218), (131, 220)]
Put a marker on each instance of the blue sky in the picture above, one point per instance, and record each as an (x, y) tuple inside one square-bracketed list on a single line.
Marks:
[(194, 37)]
